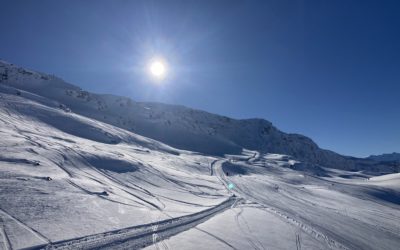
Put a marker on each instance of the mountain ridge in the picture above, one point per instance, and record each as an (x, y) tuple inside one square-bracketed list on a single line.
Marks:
[(387, 157), (182, 127)]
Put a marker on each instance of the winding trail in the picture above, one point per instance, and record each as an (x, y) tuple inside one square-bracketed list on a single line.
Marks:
[(241, 191)]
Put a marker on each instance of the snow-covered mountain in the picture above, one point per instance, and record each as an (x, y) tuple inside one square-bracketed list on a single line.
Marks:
[(87, 171), (182, 127), (393, 157)]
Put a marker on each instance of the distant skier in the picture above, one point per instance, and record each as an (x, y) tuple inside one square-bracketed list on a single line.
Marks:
[(227, 174)]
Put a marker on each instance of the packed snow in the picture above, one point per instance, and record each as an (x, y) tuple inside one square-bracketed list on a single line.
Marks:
[(80, 171)]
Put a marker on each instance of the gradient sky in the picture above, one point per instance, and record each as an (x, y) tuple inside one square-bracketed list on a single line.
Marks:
[(327, 69)]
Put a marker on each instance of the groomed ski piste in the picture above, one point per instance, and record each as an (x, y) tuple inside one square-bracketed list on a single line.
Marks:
[(68, 181)]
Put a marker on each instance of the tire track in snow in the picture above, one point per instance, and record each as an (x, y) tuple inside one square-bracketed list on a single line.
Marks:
[(212, 167), (142, 235), (158, 242), (217, 171)]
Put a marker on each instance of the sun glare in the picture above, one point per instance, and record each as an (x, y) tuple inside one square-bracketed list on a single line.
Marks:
[(158, 68)]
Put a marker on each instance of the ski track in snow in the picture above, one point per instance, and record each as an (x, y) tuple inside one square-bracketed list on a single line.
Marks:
[(25, 226), (5, 240), (254, 242), (217, 238), (217, 166)]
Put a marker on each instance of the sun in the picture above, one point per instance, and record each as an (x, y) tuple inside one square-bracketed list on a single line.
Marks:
[(158, 68)]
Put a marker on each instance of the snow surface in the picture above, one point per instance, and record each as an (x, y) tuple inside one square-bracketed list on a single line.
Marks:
[(73, 176)]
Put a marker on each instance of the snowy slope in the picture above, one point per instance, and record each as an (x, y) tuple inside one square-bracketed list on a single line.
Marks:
[(112, 188), (144, 179), (182, 127)]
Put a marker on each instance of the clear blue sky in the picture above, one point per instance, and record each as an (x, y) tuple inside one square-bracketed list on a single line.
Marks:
[(326, 69)]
